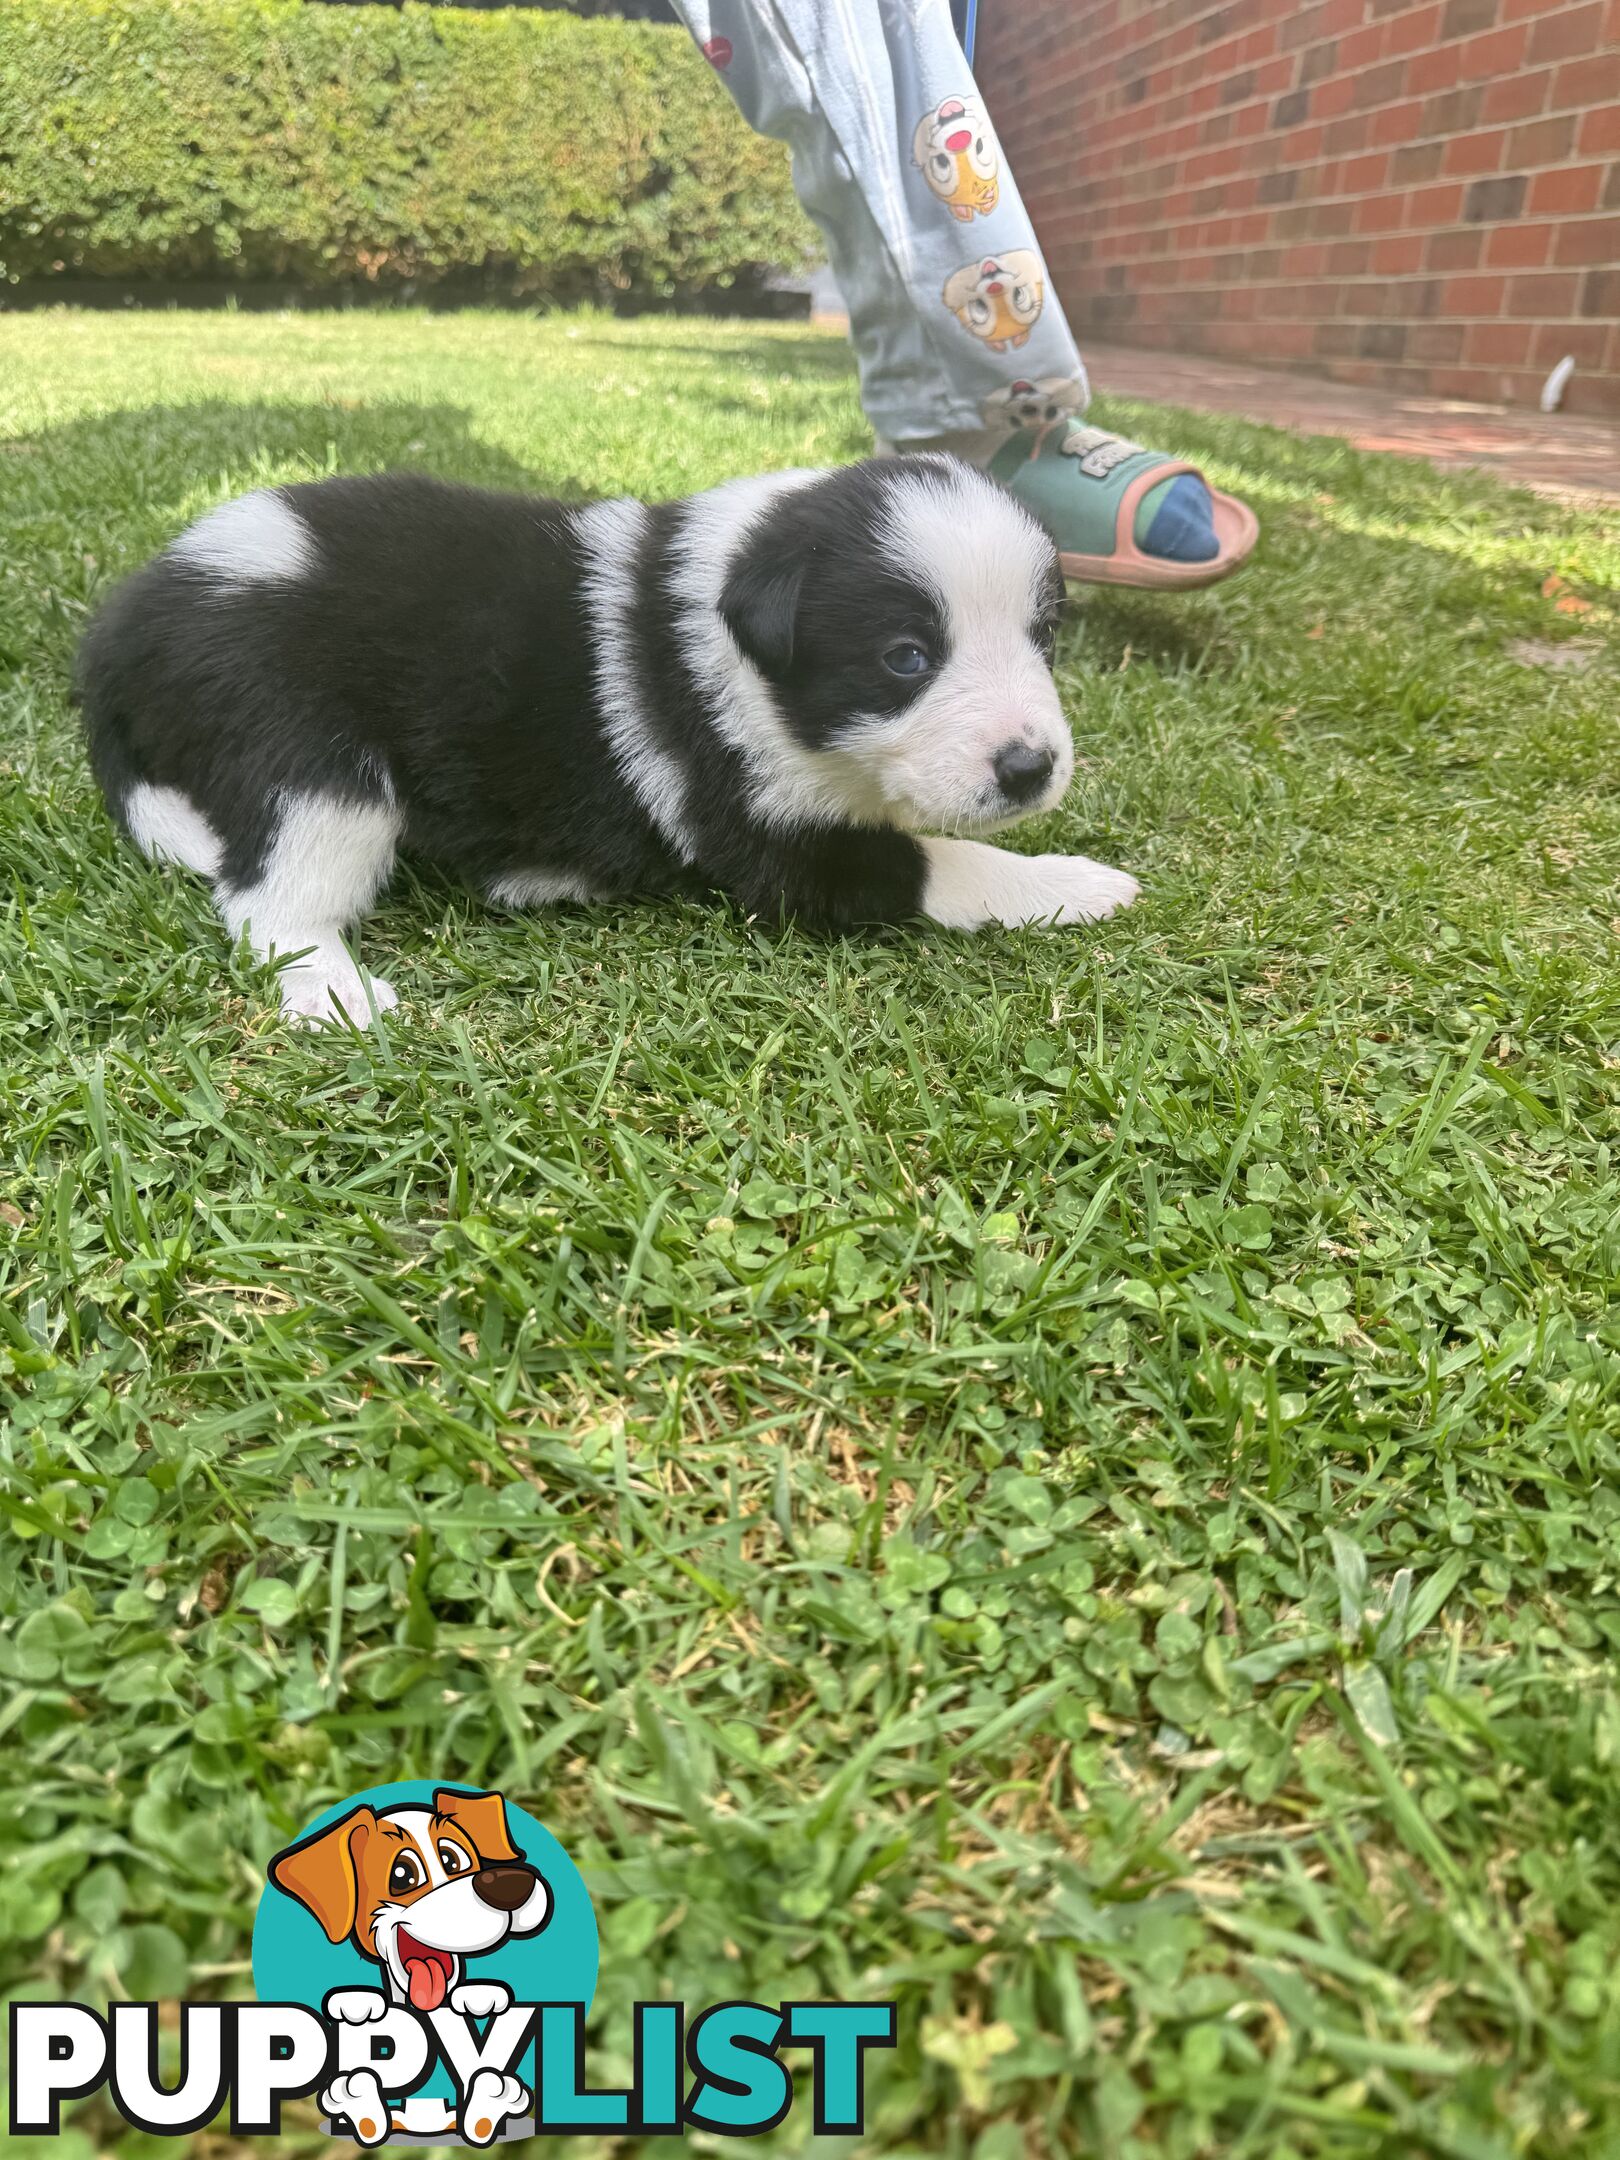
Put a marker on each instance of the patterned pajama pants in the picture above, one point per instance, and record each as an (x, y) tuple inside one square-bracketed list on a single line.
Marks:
[(895, 158)]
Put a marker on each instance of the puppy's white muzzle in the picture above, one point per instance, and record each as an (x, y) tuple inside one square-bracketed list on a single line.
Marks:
[(985, 746)]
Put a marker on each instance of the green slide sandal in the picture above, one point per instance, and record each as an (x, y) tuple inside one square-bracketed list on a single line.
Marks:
[(1102, 498)]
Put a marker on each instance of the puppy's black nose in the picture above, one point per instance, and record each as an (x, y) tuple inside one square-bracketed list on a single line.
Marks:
[(1021, 770), (505, 1888)]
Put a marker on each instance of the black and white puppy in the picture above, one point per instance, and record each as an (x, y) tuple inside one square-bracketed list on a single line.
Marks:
[(774, 688)]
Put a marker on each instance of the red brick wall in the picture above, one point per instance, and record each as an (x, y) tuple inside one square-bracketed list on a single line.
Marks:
[(1422, 194)]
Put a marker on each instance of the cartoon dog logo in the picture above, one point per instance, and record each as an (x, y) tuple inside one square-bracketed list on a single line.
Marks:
[(1000, 299), (1035, 404), (956, 150), (419, 1891)]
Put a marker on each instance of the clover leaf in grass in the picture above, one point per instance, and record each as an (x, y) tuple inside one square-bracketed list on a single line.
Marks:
[(273, 1601)]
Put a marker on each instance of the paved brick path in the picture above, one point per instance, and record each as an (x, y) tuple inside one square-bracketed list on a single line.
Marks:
[(1567, 457)]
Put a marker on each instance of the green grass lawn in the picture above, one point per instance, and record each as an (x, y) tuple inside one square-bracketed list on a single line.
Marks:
[(1066, 1478)]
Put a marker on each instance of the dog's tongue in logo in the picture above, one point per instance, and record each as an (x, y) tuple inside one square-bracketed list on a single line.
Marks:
[(427, 1972)]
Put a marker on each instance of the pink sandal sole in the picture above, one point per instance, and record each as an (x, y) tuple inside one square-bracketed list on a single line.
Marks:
[(1236, 528)]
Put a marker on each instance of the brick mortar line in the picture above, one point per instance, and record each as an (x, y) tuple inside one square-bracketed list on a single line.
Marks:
[(1524, 220), (1352, 314), (1116, 56), (1405, 142), (1200, 79), (1258, 324), (1200, 76), (1290, 363), (1355, 286), (1400, 279), (1233, 245), (1196, 252), (1174, 22), (1304, 164), (1313, 202), (1464, 180), (1419, 372), (1460, 322), (1487, 127)]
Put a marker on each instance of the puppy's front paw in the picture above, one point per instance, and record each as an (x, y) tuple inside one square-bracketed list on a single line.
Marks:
[(491, 2102), (358, 2100), (480, 1998), (970, 885), (1072, 889)]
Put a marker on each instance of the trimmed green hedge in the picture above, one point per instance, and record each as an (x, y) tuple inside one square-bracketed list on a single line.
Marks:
[(262, 139)]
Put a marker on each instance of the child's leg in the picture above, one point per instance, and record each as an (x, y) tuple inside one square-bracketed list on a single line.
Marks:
[(895, 159), (960, 341)]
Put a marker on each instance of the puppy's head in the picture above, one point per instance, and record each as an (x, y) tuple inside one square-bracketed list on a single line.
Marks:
[(419, 1889), (901, 615)]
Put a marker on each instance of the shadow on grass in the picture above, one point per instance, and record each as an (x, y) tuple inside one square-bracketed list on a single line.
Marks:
[(809, 352), (157, 456), (85, 503)]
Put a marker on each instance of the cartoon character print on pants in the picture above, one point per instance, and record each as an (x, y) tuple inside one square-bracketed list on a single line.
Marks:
[(999, 301), (1042, 403), (955, 149)]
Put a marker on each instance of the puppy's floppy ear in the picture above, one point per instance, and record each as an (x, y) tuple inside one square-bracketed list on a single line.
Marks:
[(323, 1872), (759, 605), (483, 1817)]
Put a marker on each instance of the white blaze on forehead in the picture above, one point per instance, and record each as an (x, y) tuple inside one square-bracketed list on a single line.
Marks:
[(990, 570), (963, 539), (256, 540), (417, 1823)]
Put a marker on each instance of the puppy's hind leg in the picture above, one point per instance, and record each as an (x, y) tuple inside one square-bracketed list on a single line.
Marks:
[(325, 862), (167, 826)]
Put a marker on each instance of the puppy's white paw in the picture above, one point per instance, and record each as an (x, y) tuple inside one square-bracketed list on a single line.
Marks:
[(491, 2102), (312, 992), (358, 2100), (1073, 889), (970, 885), (356, 2006), (480, 1998)]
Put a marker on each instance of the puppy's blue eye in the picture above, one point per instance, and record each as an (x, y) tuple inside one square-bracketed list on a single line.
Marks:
[(908, 659)]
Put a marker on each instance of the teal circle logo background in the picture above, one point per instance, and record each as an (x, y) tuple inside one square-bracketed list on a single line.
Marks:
[(293, 1961)]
